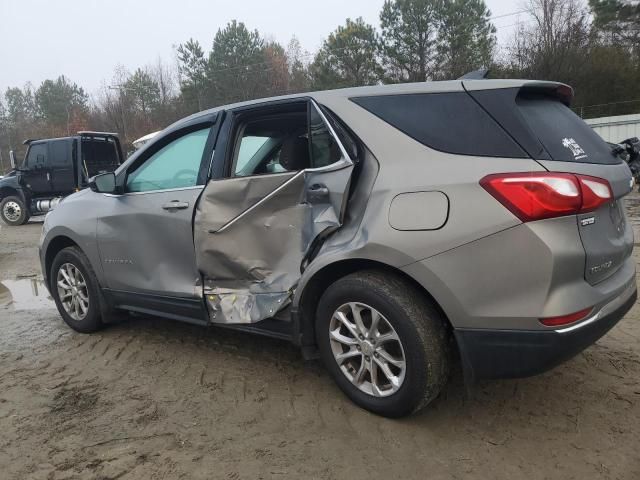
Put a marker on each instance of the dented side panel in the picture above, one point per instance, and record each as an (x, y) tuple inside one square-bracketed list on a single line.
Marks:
[(252, 235)]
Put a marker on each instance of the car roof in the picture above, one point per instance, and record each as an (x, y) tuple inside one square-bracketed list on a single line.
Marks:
[(375, 90)]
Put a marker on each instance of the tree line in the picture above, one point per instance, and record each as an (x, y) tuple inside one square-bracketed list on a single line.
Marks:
[(594, 47)]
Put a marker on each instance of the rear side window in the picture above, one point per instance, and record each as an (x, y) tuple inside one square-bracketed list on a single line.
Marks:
[(60, 153), (564, 135), (449, 122)]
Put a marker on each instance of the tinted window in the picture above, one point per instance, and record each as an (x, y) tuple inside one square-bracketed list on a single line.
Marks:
[(176, 165), (449, 122), (37, 155), (562, 133), (60, 153)]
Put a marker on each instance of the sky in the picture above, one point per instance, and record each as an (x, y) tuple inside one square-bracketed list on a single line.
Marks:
[(86, 39)]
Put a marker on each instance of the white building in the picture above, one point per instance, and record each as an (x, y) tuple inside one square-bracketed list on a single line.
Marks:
[(616, 129)]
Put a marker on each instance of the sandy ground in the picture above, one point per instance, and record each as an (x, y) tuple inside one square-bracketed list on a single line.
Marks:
[(160, 400)]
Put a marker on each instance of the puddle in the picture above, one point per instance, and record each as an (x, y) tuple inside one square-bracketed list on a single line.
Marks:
[(25, 294)]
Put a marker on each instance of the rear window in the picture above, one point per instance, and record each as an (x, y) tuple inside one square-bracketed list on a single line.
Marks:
[(564, 135), (99, 156), (450, 122)]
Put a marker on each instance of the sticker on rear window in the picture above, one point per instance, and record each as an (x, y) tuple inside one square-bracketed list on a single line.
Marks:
[(571, 144)]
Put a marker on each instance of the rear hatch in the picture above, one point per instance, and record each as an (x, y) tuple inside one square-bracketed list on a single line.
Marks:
[(537, 116)]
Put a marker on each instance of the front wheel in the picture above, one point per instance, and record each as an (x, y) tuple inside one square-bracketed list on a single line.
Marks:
[(75, 290), (13, 211), (384, 344)]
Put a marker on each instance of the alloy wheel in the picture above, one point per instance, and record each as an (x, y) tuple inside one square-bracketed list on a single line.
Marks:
[(367, 349), (73, 292)]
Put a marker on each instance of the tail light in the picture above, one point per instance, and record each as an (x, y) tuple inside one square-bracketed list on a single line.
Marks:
[(566, 319), (535, 196)]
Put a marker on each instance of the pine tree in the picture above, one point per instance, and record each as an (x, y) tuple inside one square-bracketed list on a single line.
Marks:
[(143, 92), (466, 38), (234, 62), (56, 101), (409, 31), (348, 57), (192, 68)]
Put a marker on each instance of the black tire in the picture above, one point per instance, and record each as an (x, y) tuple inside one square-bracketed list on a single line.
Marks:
[(419, 326), (7, 206), (92, 321)]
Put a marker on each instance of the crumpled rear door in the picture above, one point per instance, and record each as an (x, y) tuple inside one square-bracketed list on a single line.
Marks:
[(252, 234)]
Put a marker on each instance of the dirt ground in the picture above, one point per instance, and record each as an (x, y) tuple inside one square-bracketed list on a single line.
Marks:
[(153, 399)]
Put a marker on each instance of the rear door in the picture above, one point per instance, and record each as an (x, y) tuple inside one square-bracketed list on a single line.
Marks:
[(61, 161), (283, 190), (562, 142)]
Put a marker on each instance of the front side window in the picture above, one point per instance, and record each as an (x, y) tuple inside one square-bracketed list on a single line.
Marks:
[(176, 165), (37, 155)]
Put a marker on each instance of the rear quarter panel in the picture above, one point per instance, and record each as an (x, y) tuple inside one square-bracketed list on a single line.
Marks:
[(405, 165)]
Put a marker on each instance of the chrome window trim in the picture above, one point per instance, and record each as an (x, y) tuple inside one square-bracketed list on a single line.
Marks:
[(345, 161), (260, 202)]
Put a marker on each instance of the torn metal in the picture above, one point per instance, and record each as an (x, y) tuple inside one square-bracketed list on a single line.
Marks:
[(252, 261), (252, 235)]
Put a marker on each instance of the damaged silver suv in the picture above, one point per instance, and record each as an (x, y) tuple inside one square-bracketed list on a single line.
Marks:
[(385, 229)]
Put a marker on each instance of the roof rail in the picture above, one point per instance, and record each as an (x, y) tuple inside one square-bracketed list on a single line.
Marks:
[(475, 75)]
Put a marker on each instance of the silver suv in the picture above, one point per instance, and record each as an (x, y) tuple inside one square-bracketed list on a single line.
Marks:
[(385, 229)]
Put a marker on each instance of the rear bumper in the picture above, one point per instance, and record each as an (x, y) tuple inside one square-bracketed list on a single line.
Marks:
[(488, 354)]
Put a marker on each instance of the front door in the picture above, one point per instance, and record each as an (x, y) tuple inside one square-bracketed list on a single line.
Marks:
[(37, 176), (284, 189), (145, 235)]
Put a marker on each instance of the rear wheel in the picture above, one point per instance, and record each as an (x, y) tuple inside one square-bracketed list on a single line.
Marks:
[(384, 344), (75, 290), (13, 211)]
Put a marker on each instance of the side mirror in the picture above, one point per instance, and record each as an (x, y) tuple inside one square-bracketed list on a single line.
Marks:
[(12, 159), (103, 183)]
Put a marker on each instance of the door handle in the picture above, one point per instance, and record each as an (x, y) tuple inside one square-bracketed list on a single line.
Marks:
[(317, 193), (175, 205)]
